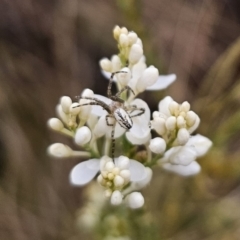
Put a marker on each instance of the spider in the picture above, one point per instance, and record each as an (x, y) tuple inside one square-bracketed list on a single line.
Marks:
[(117, 110)]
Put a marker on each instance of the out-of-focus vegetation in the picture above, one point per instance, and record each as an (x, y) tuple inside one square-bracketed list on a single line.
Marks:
[(52, 48)]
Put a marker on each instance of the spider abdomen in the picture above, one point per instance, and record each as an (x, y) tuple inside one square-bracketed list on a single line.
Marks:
[(123, 118)]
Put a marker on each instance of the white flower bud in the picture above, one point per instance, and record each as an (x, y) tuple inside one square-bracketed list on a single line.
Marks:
[(159, 125), (171, 123), (185, 106), (55, 124), (135, 200), (118, 181), (157, 145), (181, 123), (59, 150), (136, 52), (82, 136), (139, 42), (106, 65), (62, 115), (87, 93), (124, 30), (108, 193), (191, 118), (156, 114), (116, 32), (183, 136), (124, 76), (132, 38), (74, 109), (123, 162), (125, 174), (101, 127), (109, 166), (173, 107), (65, 102), (116, 198), (100, 179), (123, 40), (116, 63), (148, 78)]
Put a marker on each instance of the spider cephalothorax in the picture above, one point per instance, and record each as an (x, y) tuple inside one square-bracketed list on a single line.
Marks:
[(117, 110)]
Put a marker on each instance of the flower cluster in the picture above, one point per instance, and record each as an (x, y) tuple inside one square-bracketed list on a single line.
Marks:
[(95, 122)]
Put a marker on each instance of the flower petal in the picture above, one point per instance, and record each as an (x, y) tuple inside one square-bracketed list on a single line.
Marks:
[(107, 75), (84, 172), (98, 110), (137, 171), (138, 140), (192, 169), (163, 106), (200, 144), (163, 82), (195, 126), (145, 181)]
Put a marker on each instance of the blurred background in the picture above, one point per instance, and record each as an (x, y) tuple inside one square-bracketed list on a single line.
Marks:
[(51, 48)]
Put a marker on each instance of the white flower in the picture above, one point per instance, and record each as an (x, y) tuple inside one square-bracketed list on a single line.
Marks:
[(182, 159), (59, 150), (85, 171)]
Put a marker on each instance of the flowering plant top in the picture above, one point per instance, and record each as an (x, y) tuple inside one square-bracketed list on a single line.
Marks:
[(95, 122)]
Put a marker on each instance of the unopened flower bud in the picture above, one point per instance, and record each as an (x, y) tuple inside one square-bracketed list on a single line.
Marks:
[(157, 145), (118, 181), (181, 123), (148, 78), (108, 193), (191, 118), (116, 32), (171, 123), (173, 107), (116, 63), (109, 166), (156, 114), (66, 102), (183, 136), (106, 65), (136, 52), (124, 30), (116, 198), (87, 93), (124, 76), (125, 174), (55, 124), (59, 150), (123, 162), (132, 38), (74, 109), (158, 124), (123, 40), (139, 42), (82, 136), (185, 106), (135, 200)]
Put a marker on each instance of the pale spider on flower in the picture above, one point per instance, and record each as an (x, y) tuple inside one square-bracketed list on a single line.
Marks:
[(117, 110)]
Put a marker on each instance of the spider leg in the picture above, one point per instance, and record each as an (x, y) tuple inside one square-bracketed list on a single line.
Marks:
[(109, 90), (134, 108), (96, 102), (109, 124), (124, 89), (113, 141), (117, 96)]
